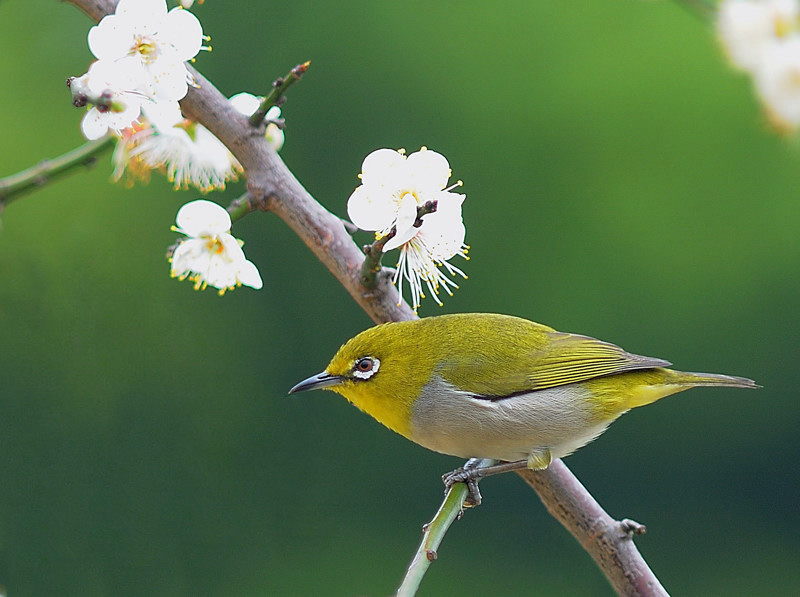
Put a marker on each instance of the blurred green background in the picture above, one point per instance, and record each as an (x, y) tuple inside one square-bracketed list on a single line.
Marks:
[(621, 182)]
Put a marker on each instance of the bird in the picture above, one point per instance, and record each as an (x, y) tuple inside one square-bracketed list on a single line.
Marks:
[(499, 387)]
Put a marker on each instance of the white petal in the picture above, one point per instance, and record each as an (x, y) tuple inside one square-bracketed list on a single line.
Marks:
[(249, 276), (273, 113), (111, 39), (190, 256), (166, 79), (164, 115), (201, 216), (371, 208), (746, 26), (143, 13), (110, 75), (245, 103), (182, 31), (117, 121), (382, 167), (400, 239), (443, 231), (233, 248), (428, 170), (404, 224), (778, 79), (275, 136), (94, 125)]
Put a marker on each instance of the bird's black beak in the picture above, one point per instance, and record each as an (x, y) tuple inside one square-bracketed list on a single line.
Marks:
[(316, 382)]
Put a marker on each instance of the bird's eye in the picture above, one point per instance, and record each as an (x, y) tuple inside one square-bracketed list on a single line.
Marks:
[(365, 367)]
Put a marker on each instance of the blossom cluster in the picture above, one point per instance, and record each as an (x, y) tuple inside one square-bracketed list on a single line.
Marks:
[(141, 52), (184, 150), (132, 91), (405, 200), (762, 38)]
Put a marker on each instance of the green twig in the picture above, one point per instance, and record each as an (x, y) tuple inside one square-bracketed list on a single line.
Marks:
[(451, 509), (275, 96), (241, 207), (372, 260), (16, 185)]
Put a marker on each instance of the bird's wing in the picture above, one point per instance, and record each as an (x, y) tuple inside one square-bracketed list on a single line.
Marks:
[(570, 358), (555, 359)]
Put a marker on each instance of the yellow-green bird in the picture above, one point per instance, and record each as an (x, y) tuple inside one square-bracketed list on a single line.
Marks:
[(483, 385)]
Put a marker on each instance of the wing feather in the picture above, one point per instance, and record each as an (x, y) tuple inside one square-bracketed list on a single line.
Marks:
[(542, 359), (570, 358)]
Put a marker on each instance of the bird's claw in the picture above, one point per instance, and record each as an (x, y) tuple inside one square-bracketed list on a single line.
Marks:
[(466, 474)]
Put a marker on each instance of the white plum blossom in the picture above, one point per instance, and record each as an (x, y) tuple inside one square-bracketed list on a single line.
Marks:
[(762, 37), (746, 27), (186, 151), (210, 256), (778, 80), (116, 104), (152, 44), (406, 198), (247, 104)]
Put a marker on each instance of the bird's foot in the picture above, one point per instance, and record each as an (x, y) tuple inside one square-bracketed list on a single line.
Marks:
[(476, 469), (470, 474)]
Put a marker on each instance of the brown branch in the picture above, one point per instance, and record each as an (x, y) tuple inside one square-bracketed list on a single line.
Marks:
[(273, 187), (608, 541)]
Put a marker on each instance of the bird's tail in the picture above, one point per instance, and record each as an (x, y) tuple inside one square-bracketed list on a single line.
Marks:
[(677, 381)]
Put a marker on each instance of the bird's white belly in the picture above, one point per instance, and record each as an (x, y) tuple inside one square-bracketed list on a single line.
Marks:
[(450, 421)]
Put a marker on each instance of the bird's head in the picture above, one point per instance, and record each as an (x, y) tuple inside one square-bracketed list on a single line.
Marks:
[(381, 371)]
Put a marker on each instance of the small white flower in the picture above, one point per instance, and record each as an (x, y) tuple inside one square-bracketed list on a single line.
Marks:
[(112, 91), (210, 256), (186, 151), (153, 44), (747, 26), (247, 104), (393, 190), (778, 80), (392, 187)]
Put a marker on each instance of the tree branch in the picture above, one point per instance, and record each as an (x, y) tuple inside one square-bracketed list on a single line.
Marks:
[(608, 541), (35, 177), (272, 187), (432, 535)]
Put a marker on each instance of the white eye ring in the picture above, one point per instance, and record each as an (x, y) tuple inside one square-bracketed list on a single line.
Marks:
[(366, 367)]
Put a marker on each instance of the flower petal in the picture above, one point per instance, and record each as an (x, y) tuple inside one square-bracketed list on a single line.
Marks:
[(94, 125), (404, 224), (165, 80), (275, 136), (164, 116), (202, 217), (111, 38), (443, 231), (249, 276), (143, 14), (371, 209), (245, 103), (382, 167), (778, 79), (184, 32), (428, 171)]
